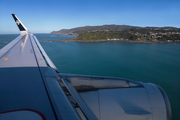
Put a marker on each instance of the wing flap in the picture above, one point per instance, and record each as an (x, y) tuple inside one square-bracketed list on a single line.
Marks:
[(86, 110)]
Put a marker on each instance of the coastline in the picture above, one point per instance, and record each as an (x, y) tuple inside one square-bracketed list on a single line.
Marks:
[(129, 41)]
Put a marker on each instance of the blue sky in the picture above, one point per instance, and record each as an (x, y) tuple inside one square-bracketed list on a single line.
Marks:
[(44, 16)]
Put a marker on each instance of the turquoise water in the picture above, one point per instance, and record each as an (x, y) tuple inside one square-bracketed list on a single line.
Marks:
[(146, 62)]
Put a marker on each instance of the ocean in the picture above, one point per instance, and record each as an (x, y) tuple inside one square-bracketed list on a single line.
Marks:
[(147, 62)]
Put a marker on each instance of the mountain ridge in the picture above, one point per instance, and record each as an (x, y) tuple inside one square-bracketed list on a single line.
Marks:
[(78, 30)]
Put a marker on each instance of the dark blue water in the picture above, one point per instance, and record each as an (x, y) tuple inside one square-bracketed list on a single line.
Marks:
[(146, 62)]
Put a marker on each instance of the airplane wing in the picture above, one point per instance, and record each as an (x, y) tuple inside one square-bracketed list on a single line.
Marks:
[(31, 87)]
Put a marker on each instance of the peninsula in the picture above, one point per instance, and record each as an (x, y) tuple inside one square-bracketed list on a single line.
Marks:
[(122, 33)]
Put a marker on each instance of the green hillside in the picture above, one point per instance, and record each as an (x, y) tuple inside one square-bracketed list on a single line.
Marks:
[(133, 34)]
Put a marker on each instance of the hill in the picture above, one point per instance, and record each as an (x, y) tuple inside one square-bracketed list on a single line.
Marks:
[(79, 30), (141, 35), (123, 32)]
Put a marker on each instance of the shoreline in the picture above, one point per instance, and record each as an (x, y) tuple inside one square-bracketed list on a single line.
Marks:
[(128, 41)]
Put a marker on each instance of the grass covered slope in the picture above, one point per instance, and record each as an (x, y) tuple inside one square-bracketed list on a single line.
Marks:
[(161, 35)]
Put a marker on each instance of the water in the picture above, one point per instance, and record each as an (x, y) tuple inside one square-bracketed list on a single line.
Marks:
[(146, 62), (53, 37)]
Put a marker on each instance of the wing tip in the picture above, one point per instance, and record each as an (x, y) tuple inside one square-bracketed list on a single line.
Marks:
[(19, 23), (14, 16)]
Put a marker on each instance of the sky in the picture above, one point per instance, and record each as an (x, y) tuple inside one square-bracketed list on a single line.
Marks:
[(45, 16)]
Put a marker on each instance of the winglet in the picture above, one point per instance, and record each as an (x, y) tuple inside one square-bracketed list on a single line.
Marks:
[(21, 27)]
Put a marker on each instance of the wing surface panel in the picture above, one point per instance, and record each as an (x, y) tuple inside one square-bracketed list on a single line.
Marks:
[(15, 57), (22, 52), (9, 46)]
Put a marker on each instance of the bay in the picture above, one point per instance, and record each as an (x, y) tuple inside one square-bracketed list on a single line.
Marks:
[(146, 62)]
